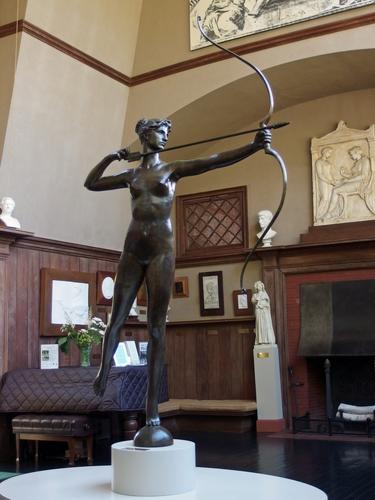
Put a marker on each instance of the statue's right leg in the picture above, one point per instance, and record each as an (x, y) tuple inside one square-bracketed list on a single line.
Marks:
[(129, 278)]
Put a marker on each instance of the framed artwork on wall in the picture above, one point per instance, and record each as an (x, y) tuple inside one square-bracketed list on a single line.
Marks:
[(181, 287), (242, 305), (232, 19), (211, 297), (105, 282), (65, 296)]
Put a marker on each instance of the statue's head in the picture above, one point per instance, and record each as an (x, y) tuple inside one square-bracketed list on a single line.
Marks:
[(7, 205), (148, 130), (264, 217), (259, 286), (356, 152), (326, 152)]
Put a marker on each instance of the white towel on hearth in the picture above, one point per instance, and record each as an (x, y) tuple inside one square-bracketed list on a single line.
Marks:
[(356, 418), (356, 410)]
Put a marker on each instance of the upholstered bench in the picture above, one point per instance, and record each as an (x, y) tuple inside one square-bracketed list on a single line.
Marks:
[(66, 428)]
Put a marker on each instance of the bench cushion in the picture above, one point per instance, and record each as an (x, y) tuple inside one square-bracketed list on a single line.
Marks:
[(208, 405), (63, 425)]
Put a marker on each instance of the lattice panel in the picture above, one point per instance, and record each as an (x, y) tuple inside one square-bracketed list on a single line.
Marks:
[(211, 221)]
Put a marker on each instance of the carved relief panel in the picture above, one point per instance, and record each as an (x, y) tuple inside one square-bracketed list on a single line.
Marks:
[(343, 175)]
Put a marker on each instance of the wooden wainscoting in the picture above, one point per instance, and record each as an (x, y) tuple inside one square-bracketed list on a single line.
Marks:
[(207, 359), (21, 258)]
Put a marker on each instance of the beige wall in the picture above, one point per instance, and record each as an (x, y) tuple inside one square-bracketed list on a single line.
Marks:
[(64, 117), (104, 29), (261, 173), (187, 308), (7, 65), (11, 10)]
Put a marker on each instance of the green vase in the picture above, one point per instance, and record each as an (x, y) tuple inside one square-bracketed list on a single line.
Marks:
[(84, 355)]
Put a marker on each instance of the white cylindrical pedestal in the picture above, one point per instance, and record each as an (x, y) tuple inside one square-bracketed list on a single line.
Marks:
[(167, 470)]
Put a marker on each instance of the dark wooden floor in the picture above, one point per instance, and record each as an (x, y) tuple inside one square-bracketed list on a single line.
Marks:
[(345, 470)]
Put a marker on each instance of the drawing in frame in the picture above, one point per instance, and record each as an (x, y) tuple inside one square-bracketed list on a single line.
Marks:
[(181, 287), (242, 305), (105, 281), (65, 296), (211, 297), (232, 19)]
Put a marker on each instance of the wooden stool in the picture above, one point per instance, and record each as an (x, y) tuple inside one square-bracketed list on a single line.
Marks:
[(53, 428)]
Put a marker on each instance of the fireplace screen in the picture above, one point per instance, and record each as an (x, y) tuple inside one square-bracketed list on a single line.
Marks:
[(338, 318)]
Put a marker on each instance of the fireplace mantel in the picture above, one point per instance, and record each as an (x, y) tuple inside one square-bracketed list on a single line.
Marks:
[(284, 268)]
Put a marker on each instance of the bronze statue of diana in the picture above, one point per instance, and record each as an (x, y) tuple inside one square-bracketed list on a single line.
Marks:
[(148, 250)]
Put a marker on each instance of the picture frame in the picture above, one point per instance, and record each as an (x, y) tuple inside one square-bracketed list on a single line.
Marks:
[(211, 297), (65, 295), (242, 305), (105, 281), (181, 287)]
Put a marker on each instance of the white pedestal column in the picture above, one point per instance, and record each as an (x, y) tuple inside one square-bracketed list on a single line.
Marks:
[(268, 388)]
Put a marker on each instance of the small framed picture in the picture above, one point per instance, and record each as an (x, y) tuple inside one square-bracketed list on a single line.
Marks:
[(242, 305), (121, 356), (49, 356), (181, 287), (211, 297), (105, 285)]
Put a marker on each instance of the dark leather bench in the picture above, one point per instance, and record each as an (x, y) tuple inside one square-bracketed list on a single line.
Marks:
[(66, 428)]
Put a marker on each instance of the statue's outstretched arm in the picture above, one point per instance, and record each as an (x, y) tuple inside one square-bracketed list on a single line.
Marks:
[(219, 160), (95, 181)]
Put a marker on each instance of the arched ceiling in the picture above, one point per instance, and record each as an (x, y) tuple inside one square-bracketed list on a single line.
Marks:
[(243, 102)]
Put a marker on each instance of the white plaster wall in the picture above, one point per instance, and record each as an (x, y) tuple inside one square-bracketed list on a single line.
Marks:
[(64, 118)]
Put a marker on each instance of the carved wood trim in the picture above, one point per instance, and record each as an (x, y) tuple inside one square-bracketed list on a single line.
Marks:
[(267, 43), (65, 248), (212, 224)]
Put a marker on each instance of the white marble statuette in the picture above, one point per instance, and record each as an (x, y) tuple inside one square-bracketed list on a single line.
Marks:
[(264, 218), (343, 175), (7, 205), (264, 333)]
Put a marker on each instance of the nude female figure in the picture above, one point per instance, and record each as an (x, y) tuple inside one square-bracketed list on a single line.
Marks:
[(148, 250)]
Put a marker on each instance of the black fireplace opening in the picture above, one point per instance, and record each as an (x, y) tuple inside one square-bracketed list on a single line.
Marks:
[(349, 380)]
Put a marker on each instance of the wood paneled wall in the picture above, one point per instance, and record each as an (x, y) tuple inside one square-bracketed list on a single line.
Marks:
[(206, 359), (21, 260)]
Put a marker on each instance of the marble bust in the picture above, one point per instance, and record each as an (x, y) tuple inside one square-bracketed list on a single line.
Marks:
[(7, 205), (264, 218)]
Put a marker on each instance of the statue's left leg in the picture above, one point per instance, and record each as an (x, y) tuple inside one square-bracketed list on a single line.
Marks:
[(159, 279)]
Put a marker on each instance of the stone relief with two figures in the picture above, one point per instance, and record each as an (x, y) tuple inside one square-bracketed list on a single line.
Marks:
[(343, 174)]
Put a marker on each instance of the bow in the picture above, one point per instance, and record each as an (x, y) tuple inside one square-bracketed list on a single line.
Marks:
[(267, 147)]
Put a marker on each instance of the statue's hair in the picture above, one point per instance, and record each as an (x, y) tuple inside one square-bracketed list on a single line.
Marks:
[(326, 148), (5, 198), (154, 123), (268, 213)]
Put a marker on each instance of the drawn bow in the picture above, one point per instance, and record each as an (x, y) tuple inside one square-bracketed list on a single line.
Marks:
[(263, 124)]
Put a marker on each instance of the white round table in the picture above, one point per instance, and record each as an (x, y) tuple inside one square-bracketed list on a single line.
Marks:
[(94, 483)]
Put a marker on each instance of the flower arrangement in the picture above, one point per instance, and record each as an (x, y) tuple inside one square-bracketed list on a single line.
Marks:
[(84, 337)]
